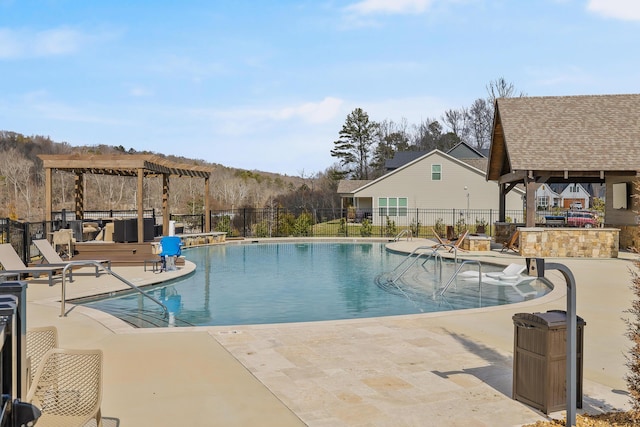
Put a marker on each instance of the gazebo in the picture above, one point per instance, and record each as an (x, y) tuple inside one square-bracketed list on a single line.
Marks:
[(140, 166), (569, 139)]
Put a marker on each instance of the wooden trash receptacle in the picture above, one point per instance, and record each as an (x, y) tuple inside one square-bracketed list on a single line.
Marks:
[(540, 360)]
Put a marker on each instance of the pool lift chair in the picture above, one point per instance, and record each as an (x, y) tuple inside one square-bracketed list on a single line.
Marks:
[(171, 249)]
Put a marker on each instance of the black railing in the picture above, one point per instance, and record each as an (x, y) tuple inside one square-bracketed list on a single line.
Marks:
[(280, 222)]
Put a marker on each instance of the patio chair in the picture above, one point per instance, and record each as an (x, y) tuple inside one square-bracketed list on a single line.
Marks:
[(51, 257), (457, 242), (440, 240), (67, 387), (64, 238), (12, 264), (512, 243), (39, 341)]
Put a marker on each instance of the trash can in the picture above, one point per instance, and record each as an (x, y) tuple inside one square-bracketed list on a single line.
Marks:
[(540, 360)]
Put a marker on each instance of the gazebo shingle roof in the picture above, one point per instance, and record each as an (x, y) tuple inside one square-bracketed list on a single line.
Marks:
[(575, 133)]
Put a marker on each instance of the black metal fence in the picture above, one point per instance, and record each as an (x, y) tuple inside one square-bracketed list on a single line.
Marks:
[(279, 222)]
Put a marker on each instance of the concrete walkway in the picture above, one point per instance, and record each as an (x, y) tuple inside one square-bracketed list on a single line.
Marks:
[(451, 368)]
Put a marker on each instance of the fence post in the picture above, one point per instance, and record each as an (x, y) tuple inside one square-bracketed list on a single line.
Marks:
[(244, 222)]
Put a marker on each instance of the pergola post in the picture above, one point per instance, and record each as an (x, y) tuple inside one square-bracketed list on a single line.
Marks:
[(79, 195), (140, 205), (165, 204), (207, 207)]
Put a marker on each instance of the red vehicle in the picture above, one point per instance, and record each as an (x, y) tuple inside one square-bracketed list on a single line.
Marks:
[(581, 219)]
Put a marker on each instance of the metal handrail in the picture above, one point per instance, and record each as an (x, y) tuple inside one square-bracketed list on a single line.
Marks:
[(455, 274), (402, 233), (111, 272), (408, 257)]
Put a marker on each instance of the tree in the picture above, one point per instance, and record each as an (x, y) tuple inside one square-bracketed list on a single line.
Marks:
[(353, 147), (392, 137)]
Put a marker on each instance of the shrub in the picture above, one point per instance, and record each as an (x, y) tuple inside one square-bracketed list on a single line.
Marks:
[(366, 228)]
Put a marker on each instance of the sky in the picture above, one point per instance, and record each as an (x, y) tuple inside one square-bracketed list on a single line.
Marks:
[(267, 85)]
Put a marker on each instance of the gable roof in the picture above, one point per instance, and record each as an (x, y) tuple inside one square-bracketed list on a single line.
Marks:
[(353, 186), (462, 150), (589, 133)]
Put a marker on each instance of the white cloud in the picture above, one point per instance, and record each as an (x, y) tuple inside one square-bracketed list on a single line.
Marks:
[(248, 120), (24, 44), (627, 10), (366, 7), (312, 112), (559, 76)]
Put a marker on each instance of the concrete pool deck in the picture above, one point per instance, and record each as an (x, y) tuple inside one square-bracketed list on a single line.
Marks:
[(451, 368)]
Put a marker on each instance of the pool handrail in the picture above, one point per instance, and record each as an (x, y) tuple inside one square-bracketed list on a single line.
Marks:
[(409, 234), (408, 257), (98, 265), (452, 279)]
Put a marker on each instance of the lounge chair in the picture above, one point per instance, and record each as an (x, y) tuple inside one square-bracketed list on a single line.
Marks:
[(512, 281), (457, 242), (511, 276), (52, 258), (512, 243), (67, 387), (453, 244), (510, 270), (12, 264)]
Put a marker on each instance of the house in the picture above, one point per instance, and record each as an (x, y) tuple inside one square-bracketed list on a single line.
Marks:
[(546, 198), (435, 180), (574, 196)]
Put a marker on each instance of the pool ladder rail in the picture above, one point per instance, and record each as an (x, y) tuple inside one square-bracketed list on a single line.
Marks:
[(418, 252), (98, 265), (406, 232)]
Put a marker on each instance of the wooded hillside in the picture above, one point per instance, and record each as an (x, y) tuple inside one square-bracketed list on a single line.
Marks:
[(22, 184)]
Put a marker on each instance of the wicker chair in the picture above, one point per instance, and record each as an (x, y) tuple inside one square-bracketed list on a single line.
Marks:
[(67, 387), (39, 341)]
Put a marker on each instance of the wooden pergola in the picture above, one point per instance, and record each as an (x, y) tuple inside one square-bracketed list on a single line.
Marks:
[(128, 165)]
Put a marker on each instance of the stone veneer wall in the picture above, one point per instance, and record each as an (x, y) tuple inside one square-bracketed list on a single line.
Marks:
[(569, 242), (629, 236)]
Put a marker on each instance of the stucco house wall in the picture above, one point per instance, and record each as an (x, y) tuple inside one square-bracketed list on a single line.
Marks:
[(416, 181)]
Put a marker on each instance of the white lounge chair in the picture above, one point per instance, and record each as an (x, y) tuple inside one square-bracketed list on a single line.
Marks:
[(510, 270), (512, 281)]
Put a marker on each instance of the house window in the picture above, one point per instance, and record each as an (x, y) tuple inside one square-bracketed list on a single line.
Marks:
[(382, 206), (436, 172), (543, 201), (392, 206), (402, 206)]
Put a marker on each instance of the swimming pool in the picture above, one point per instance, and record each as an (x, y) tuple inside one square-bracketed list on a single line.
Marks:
[(261, 283)]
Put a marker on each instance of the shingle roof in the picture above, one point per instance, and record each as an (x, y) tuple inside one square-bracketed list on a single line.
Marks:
[(580, 133), (401, 158), (346, 186)]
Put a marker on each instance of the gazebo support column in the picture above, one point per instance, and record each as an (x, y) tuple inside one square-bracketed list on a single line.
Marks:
[(531, 202)]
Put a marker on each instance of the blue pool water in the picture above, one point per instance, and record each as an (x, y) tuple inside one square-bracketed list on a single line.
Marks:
[(299, 282)]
